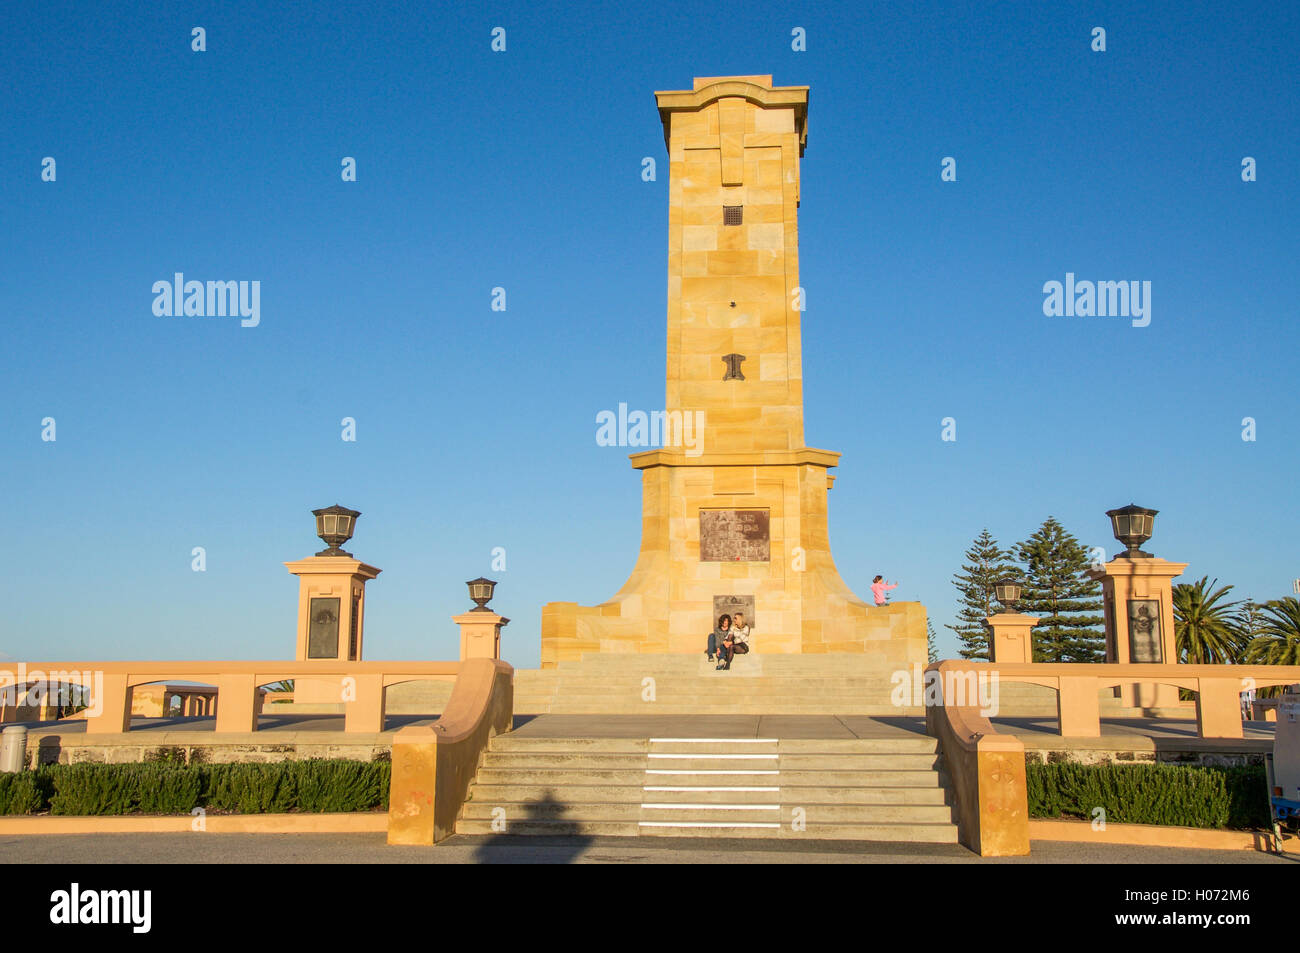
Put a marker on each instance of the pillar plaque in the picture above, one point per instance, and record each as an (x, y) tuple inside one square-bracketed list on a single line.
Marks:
[(734, 536), (730, 605), (1144, 631), (323, 629)]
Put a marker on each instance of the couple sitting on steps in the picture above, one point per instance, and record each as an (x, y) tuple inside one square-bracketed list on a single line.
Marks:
[(728, 639)]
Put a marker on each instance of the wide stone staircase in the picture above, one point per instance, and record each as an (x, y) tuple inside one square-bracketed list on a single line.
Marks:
[(840, 684), (878, 789), (689, 684)]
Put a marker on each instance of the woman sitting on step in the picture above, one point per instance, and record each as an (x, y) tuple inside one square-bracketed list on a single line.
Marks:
[(720, 641), (740, 633)]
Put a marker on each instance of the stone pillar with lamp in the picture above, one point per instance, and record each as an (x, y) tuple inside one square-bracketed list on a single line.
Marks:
[(331, 605), (1010, 638), (480, 627), (1139, 606)]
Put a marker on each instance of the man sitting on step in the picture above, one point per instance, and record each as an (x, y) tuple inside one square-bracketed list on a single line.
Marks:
[(718, 637)]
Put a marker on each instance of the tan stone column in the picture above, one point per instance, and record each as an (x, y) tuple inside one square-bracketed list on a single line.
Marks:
[(238, 710), (331, 619), (1139, 607), (480, 634), (414, 782), (114, 704), (1010, 639)]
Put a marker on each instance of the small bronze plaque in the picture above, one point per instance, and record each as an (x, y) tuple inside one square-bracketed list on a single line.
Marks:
[(1144, 631), (730, 605), (323, 629), (734, 536)]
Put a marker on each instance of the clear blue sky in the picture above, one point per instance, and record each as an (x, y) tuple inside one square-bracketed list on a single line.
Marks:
[(476, 429)]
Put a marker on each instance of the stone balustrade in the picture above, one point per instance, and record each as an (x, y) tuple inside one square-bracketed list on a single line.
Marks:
[(1218, 688), (111, 686), (987, 767)]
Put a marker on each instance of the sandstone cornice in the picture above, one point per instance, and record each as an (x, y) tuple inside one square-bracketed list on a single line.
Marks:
[(693, 100)]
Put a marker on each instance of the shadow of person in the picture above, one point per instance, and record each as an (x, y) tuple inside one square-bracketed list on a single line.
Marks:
[(540, 833)]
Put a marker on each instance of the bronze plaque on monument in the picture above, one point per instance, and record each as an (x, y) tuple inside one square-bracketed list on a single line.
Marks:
[(323, 629), (1144, 631), (734, 536), (730, 605)]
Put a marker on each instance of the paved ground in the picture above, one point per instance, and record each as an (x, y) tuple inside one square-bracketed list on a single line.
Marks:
[(371, 849)]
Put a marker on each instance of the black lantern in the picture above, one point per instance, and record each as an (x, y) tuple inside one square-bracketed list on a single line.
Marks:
[(335, 525), (1133, 525), (480, 590), (1007, 592)]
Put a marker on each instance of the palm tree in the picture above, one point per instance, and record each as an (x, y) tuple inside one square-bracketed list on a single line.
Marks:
[(1278, 642), (1205, 627)]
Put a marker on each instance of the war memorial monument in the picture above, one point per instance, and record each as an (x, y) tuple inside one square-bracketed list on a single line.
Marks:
[(835, 726)]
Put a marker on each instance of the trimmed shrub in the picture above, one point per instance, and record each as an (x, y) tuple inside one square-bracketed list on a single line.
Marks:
[(20, 794), (341, 786), (94, 789), (1169, 794), (165, 788), (250, 788), (317, 786)]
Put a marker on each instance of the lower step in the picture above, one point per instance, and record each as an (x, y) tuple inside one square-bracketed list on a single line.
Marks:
[(913, 833), (738, 810)]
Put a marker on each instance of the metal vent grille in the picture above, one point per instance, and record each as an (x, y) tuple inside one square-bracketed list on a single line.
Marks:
[(732, 214)]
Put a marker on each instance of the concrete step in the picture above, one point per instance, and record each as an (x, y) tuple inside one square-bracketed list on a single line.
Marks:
[(718, 680), (655, 810), (914, 833), (902, 832), (769, 663), (720, 791), (734, 774), (692, 704), (709, 760), (918, 744)]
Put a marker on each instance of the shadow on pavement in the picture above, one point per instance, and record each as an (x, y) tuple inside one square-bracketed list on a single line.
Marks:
[(563, 839)]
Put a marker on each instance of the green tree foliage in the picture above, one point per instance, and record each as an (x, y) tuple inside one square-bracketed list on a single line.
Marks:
[(931, 650), (1278, 641), (986, 563), (1206, 627), (1057, 591)]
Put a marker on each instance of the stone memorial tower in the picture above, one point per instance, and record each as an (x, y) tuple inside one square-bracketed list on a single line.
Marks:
[(734, 504)]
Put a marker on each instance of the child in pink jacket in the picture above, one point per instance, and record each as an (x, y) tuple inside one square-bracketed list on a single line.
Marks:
[(879, 587)]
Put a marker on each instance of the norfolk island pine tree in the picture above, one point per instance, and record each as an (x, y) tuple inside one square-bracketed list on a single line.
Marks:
[(986, 563), (1057, 591)]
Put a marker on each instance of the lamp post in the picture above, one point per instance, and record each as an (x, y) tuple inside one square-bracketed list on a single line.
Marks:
[(480, 591), (1132, 526), (1009, 631), (335, 525), (331, 603), (1137, 589), (1007, 592)]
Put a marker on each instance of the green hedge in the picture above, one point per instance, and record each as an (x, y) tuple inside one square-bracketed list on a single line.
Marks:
[(23, 793), (316, 786), (1171, 794)]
